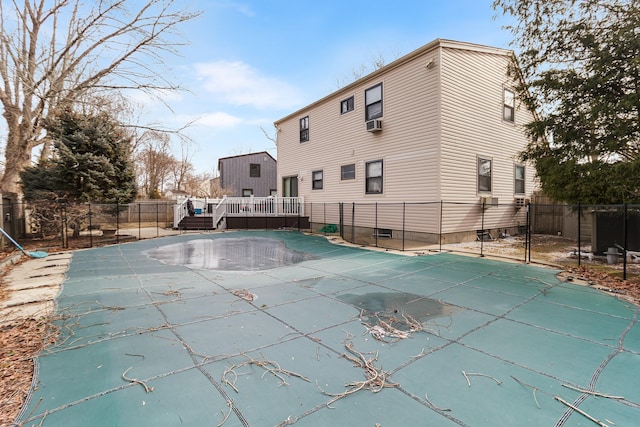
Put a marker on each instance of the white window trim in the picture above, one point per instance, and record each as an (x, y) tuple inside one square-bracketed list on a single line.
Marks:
[(367, 177), (304, 127), (524, 179), (313, 179), (505, 105), (381, 101), (478, 159)]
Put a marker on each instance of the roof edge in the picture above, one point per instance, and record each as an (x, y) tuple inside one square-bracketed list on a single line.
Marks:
[(243, 155), (437, 43)]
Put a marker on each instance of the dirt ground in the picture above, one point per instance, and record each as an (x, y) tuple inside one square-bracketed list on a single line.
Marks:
[(22, 340), (20, 343)]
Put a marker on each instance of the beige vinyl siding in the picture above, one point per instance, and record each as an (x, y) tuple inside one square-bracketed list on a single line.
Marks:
[(410, 115), (472, 127), (422, 217), (437, 121), (469, 217), (322, 213)]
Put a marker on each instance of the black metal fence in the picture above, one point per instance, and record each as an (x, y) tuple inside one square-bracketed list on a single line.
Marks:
[(551, 233), (541, 232), (63, 225)]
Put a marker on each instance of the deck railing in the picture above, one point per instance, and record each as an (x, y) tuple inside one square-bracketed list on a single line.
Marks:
[(240, 206), (264, 206)]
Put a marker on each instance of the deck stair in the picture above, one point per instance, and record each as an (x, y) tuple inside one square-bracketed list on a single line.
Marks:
[(197, 222)]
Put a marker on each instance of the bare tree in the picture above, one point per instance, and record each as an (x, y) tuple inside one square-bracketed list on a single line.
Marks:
[(182, 169), (217, 192), (154, 162), (375, 63), (199, 185), (273, 138), (54, 52)]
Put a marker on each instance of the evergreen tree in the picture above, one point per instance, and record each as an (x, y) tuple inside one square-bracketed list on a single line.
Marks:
[(91, 162), (580, 68)]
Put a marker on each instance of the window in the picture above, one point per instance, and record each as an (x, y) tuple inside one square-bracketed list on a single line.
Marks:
[(254, 170), (273, 192), (346, 105), (304, 129), (484, 175), (247, 192), (348, 171), (374, 177), (373, 102), (508, 111), (316, 180), (519, 179)]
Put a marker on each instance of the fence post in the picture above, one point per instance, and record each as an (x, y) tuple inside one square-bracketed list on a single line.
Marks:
[(157, 220), (324, 216), (341, 214), (90, 228), (353, 222), (529, 232), (526, 232), (624, 238), (375, 231), (404, 210), (482, 230), (117, 221), (440, 231), (66, 228), (579, 233), (139, 222)]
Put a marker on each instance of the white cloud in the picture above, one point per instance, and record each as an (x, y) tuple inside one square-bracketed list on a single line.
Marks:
[(217, 120), (237, 83), (146, 99), (242, 8)]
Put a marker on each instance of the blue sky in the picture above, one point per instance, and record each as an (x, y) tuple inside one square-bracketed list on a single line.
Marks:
[(252, 62)]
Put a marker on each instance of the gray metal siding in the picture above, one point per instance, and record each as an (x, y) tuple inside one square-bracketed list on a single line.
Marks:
[(235, 174)]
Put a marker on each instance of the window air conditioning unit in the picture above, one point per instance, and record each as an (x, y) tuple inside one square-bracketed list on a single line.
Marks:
[(374, 125), (489, 201), (520, 202)]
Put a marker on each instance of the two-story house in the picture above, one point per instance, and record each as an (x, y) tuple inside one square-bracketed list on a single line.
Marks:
[(247, 175), (441, 124)]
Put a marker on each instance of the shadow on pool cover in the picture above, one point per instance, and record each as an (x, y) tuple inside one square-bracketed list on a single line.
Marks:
[(397, 309), (230, 254)]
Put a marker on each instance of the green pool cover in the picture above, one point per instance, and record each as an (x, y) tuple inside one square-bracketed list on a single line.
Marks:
[(279, 328)]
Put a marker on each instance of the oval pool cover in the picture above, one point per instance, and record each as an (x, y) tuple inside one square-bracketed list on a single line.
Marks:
[(232, 254)]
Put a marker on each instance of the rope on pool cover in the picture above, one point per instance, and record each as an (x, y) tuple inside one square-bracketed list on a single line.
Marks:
[(594, 378), (200, 368), (192, 355), (32, 388)]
